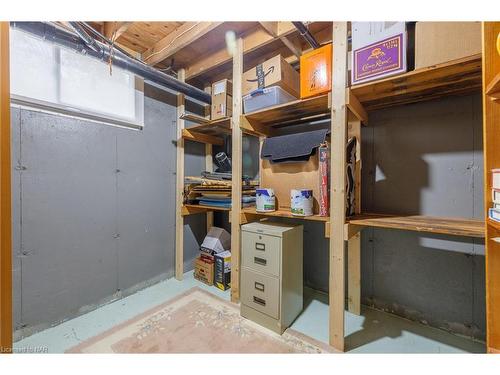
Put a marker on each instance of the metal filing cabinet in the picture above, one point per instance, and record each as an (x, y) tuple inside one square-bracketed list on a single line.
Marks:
[(271, 273)]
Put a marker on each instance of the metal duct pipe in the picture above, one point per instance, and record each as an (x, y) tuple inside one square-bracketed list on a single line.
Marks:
[(306, 34), (89, 41), (68, 40)]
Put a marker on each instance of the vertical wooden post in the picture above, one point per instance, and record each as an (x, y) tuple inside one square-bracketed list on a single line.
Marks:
[(236, 155), (179, 186), (354, 243), (209, 166), (5, 196), (491, 142), (209, 163), (338, 180)]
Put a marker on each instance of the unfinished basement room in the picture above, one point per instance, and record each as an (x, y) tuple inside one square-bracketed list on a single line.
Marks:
[(226, 184)]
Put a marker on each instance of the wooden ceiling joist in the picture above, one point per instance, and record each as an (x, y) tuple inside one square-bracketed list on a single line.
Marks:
[(186, 34), (253, 40), (115, 29), (273, 28)]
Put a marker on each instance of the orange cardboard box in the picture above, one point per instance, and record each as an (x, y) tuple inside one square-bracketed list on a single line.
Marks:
[(316, 72)]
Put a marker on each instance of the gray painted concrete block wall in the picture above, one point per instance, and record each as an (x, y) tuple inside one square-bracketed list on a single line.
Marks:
[(425, 159), (93, 210)]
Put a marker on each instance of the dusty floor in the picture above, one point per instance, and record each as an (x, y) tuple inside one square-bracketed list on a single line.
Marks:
[(372, 332)]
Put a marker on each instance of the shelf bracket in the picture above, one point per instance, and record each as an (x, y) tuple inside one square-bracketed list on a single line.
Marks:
[(350, 230), (355, 107)]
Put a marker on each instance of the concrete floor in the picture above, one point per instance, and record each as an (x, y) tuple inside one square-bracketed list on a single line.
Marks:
[(372, 332)]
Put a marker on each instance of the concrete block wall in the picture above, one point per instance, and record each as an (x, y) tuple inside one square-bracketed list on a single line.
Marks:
[(93, 210)]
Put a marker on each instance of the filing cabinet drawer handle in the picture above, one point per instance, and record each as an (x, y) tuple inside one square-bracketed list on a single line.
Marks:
[(260, 261), (259, 286), (259, 301), (260, 246)]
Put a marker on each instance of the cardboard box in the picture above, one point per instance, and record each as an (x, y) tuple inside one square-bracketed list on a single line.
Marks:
[(379, 49), (222, 99), (204, 270), (316, 72), (223, 270), (216, 241), (273, 72), (439, 42)]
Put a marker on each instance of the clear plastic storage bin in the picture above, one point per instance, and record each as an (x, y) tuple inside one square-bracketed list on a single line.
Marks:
[(266, 97)]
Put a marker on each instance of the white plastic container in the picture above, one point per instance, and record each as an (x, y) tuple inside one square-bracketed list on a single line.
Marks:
[(266, 97), (265, 200), (301, 202)]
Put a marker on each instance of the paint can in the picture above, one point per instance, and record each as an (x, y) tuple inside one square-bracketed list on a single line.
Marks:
[(265, 200), (301, 202)]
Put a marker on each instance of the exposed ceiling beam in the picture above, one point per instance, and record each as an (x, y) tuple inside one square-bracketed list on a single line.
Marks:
[(184, 35), (254, 39), (116, 28), (272, 29)]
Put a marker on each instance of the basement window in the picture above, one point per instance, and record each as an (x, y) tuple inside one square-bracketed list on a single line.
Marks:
[(55, 79)]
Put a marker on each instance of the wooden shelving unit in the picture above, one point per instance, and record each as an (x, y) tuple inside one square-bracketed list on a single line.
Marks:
[(491, 141), (456, 77), (346, 108), (442, 225)]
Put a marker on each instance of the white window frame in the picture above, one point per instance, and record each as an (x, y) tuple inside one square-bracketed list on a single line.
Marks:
[(74, 112)]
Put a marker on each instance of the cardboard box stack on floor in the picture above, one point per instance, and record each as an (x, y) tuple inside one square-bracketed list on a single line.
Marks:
[(213, 265)]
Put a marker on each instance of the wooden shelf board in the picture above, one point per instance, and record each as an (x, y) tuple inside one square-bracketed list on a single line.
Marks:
[(494, 224), (191, 209), (207, 131), (455, 77), (493, 88), (417, 223), (291, 113), (282, 213)]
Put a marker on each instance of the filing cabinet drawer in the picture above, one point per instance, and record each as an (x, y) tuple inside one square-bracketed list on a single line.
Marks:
[(261, 252), (260, 292)]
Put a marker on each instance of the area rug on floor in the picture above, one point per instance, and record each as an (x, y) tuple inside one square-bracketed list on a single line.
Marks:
[(197, 322)]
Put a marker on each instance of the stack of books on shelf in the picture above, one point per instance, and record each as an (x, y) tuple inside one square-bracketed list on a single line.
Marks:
[(212, 190), (494, 212)]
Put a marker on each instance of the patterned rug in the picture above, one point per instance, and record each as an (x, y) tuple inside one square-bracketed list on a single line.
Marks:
[(197, 322)]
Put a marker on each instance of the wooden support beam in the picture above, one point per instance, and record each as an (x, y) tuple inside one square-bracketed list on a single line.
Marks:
[(252, 41), (115, 29), (272, 29), (236, 155), (5, 196), (354, 274), (186, 34), (338, 182), (356, 107), (201, 138), (179, 185)]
